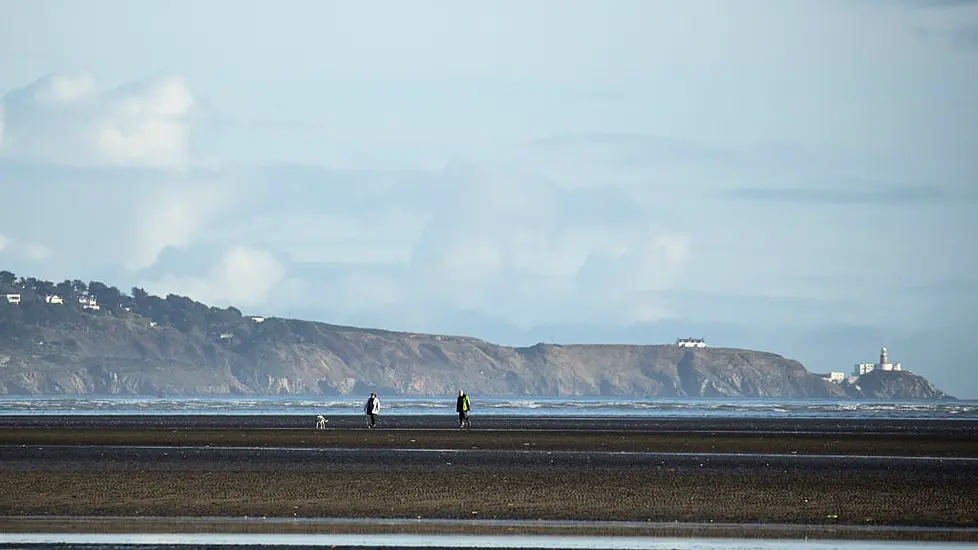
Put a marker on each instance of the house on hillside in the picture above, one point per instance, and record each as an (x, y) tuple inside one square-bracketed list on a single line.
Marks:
[(54, 299), (89, 302), (13, 298), (691, 342), (835, 377), (862, 368), (257, 318)]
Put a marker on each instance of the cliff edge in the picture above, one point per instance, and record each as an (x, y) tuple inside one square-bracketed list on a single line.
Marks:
[(895, 386)]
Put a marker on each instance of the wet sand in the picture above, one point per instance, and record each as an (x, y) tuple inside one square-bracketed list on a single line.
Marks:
[(911, 428), (792, 472), (493, 528)]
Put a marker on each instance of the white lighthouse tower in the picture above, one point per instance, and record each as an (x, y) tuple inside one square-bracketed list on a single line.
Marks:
[(884, 363)]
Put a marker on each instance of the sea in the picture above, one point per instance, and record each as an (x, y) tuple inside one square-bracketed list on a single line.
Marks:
[(501, 406)]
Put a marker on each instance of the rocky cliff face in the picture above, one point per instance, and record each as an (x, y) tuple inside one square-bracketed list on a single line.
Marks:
[(126, 355), (895, 386)]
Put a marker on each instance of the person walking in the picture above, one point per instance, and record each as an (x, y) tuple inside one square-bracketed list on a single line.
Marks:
[(462, 407), (372, 409)]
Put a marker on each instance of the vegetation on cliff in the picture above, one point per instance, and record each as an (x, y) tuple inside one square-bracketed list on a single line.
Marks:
[(90, 338)]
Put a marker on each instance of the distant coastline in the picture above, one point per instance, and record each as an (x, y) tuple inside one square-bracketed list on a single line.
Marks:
[(77, 338)]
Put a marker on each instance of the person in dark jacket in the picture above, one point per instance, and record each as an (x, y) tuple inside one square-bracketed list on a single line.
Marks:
[(462, 407), (372, 409)]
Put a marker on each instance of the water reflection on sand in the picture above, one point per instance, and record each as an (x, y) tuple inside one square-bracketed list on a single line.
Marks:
[(151, 541), (150, 533)]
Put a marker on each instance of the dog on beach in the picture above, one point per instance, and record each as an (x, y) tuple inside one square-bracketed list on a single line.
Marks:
[(321, 422)]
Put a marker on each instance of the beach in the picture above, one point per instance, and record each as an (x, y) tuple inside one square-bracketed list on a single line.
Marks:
[(828, 478)]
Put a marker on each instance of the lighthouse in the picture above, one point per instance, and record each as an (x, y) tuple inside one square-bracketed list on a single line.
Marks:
[(884, 364), (885, 361)]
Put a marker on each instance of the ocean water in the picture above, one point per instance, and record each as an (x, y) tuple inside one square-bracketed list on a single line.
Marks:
[(503, 406)]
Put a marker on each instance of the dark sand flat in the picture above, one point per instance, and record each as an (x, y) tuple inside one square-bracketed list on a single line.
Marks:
[(948, 428), (860, 474), (833, 436)]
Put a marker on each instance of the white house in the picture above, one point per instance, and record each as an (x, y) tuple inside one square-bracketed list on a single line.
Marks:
[(257, 318), (862, 368), (691, 342), (13, 298), (835, 377), (88, 302), (53, 299)]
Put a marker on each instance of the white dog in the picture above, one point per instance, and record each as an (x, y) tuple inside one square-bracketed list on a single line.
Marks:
[(321, 422)]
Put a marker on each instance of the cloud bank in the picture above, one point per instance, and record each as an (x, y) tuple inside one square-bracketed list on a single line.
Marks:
[(243, 276), (70, 119)]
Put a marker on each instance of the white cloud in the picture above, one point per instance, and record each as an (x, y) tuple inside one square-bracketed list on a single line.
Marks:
[(65, 89), (93, 220), (378, 235), (28, 250), (36, 251), (512, 246), (103, 160), (622, 278), (172, 216), (69, 119), (244, 277), (521, 248), (463, 238)]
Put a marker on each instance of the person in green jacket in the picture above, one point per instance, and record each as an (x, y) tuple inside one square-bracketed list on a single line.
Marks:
[(462, 407)]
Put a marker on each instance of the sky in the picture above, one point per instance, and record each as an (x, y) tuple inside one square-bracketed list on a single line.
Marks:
[(797, 177)]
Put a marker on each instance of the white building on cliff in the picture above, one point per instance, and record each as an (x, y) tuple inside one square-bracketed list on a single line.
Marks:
[(884, 364), (691, 342), (835, 377)]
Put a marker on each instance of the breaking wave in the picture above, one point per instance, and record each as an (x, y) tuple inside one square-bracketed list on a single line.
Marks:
[(524, 406)]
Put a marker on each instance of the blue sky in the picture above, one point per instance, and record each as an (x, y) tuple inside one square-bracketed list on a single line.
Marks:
[(798, 177)]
